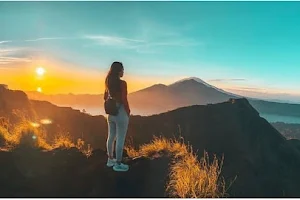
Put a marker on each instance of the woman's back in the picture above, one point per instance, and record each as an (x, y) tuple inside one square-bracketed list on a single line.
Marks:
[(119, 95)]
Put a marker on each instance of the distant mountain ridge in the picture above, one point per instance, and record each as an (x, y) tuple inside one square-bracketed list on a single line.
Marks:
[(160, 98)]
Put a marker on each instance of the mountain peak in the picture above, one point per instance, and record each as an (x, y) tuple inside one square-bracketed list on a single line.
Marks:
[(191, 79), (157, 86), (198, 80)]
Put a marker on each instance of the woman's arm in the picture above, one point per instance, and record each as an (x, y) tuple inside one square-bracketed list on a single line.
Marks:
[(124, 96)]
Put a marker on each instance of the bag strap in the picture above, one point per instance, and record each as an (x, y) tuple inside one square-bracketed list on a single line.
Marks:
[(108, 94)]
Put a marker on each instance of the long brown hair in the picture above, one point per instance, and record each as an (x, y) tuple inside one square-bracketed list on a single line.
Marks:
[(112, 80)]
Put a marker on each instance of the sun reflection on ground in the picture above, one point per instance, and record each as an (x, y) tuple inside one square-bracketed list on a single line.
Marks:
[(35, 124), (46, 121)]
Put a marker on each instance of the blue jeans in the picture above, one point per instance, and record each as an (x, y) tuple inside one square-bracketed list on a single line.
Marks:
[(117, 130)]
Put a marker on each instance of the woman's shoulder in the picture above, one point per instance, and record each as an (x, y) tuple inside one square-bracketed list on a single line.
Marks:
[(124, 83)]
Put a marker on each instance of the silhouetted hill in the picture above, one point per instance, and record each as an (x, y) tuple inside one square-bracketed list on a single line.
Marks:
[(31, 172), (13, 101), (265, 163), (78, 124)]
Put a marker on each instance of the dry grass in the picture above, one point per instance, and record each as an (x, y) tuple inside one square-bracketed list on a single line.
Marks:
[(23, 134), (157, 146), (189, 177), (26, 134), (63, 140), (85, 149), (4, 135)]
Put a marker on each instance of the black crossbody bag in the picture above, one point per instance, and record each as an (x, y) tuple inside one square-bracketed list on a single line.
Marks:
[(110, 105)]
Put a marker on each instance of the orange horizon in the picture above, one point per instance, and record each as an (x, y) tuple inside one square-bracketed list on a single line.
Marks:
[(68, 79), (75, 80)]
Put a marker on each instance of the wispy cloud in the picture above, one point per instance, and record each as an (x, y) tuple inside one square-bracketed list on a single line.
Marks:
[(248, 89), (48, 38), (8, 60), (6, 41), (227, 80), (39, 39), (151, 46), (138, 45), (141, 46), (175, 43), (180, 43), (113, 41), (14, 54), (7, 51)]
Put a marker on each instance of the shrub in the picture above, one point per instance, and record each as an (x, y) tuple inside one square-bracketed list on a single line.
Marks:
[(189, 178), (24, 134), (63, 140)]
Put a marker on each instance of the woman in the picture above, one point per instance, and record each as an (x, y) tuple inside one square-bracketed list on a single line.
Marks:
[(117, 125)]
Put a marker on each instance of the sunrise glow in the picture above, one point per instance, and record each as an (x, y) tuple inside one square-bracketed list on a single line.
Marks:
[(40, 71), (39, 89)]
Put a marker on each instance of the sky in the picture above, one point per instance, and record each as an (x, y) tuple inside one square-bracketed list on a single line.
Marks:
[(248, 48)]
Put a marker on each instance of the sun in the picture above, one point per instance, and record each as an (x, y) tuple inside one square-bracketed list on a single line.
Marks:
[(40, 71), (39, 89)]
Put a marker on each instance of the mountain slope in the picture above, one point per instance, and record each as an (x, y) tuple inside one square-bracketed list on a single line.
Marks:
[(265, 163), (14, 104), (253, 149)]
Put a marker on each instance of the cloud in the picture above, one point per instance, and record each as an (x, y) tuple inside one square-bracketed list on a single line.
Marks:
[(14, 54), (227, 80), (114, 41), (47, 38), (6, 41), (175, 43), (141, 46), (8, 51), (8, 60), (250, 88)]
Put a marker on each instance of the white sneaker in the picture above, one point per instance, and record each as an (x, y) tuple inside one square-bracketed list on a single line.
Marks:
[(111, 162), (120, 167)]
